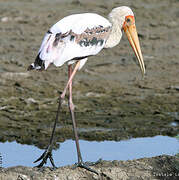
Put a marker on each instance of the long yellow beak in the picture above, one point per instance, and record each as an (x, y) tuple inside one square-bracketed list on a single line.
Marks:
[(132, 36)]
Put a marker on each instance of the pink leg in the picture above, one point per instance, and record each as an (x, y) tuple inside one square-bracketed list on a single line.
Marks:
[(72, 107), (70, 79), (48, 152)]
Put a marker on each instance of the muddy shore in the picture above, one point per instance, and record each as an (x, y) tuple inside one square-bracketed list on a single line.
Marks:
[(110, 96), (160, 167)]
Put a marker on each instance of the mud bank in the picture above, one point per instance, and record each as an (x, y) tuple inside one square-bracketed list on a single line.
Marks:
[(160, 167)]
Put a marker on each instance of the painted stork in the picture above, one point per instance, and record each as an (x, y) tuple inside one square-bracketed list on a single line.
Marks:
[(73, 39)]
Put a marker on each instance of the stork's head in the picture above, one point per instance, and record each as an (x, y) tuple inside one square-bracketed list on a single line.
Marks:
[(126, 21)]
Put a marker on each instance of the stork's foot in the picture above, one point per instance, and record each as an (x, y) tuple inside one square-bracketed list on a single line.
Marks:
[(85, 165), (46, 155)]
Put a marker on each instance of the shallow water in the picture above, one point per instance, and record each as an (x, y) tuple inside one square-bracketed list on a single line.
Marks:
[(14, 154)]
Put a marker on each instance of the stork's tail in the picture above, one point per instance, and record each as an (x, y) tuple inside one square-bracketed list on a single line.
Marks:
[(38, 64)]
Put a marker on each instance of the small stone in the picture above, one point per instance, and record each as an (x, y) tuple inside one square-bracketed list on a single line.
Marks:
[(5, 19)]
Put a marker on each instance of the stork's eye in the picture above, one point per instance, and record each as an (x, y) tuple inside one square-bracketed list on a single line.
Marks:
[(128, 20)]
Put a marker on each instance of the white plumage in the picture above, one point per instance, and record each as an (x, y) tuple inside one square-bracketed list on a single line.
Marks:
[(79, 22), (78, 36), (66, 49)]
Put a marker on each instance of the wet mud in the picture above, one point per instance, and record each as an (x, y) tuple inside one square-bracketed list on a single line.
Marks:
[(160, 167), (112, 100)]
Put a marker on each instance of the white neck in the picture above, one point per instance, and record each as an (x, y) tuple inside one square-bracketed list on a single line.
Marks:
[(117, 18), (115, 35)]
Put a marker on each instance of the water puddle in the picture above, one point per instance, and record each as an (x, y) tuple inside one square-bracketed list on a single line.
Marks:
[(14, 154), (174, 123)]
